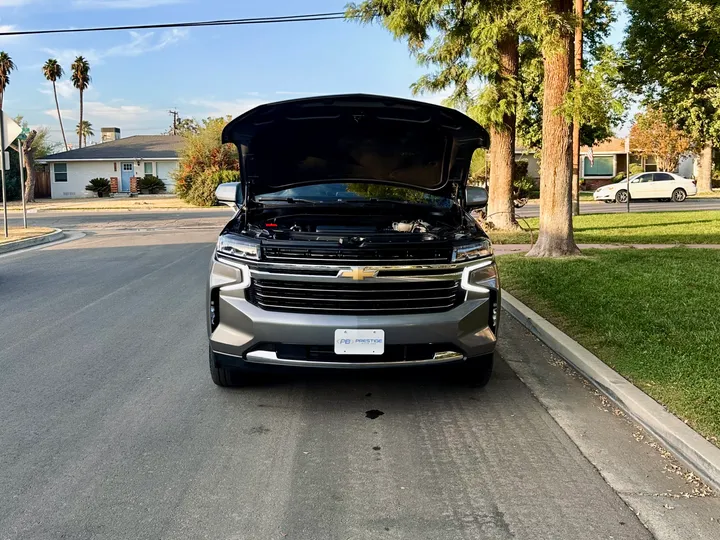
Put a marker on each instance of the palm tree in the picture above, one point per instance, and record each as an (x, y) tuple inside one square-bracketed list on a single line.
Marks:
[(81, 80), (85, 132), (6, 66), (53, 72)]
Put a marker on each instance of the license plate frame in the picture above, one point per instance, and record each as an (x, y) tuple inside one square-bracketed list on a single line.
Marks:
[(352, 341)]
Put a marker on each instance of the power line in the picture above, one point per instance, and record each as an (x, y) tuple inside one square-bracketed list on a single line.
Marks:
[(222, 22)]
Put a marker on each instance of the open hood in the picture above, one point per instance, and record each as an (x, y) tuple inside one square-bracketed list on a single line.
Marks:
[(355, 138)]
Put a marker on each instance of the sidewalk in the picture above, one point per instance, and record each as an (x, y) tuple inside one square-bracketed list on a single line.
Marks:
[(142, 202), (507, 249)]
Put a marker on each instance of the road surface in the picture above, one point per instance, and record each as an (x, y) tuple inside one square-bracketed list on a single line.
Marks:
[(110, 427), (691, 204)]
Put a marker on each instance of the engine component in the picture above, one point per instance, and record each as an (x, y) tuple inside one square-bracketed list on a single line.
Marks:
[(417, 226)]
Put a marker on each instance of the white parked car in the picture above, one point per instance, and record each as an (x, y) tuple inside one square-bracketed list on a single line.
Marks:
[(649, 185)]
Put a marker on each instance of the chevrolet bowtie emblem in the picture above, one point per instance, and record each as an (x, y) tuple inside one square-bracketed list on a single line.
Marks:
[(357, 273)]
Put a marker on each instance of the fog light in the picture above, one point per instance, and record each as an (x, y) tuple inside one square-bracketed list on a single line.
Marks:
[(214, 309)]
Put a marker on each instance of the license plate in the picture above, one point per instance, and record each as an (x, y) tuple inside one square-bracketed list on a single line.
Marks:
[(359, 341)]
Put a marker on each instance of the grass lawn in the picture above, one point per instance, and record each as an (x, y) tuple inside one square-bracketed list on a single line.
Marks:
[(653, 315), (634, 228), (21, 234)]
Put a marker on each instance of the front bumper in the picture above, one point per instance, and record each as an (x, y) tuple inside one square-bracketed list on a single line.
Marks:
[(247, 334), (604, 195)]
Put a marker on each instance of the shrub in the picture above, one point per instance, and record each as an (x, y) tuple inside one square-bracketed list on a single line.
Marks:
[(618, 177), (636, 168), (203, 154), (715, 182), (101, 186), (521, 170), (152, 184), (202, 188), (523, 186)]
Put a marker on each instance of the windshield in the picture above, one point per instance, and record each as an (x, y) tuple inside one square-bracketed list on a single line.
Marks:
[(357, 192)]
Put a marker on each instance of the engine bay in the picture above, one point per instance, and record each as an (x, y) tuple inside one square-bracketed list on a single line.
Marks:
[(333, 226)]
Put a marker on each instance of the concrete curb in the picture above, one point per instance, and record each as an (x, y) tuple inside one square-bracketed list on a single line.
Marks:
[(54, 236), (700, 455)]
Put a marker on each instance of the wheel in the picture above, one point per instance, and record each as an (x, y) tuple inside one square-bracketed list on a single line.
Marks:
[(679, 195), (220, 376), (621, 196), (475, 371)]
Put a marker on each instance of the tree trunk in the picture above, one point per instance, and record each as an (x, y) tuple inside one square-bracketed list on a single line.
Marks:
[(501, 210), (57, 106), (579, 12), (80, 132), (704, 177), (29, 159), (556, 234)]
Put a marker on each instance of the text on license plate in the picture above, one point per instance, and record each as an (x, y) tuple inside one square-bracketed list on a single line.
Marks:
[(351, 341)]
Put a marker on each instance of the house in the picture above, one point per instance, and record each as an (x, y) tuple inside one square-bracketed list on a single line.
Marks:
[(609, 160), (119, 160)]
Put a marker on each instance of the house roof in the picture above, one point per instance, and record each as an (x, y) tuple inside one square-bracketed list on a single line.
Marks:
[(145, 147), (614, 145)]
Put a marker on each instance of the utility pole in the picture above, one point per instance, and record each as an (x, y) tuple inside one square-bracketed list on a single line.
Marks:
[(579, 12), (175, 115)]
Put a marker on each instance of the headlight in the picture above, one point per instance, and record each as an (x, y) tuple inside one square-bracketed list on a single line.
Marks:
[(470, 252), (237, 248), (480, 277)]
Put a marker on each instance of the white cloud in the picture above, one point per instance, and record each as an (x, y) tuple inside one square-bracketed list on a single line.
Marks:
[(13, 3), (288, 93), (210, 107), (65, 89), (140, 43), (116, 4)]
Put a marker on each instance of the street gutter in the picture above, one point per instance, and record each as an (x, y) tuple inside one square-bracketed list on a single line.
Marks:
[(54, 236), (693, 449)]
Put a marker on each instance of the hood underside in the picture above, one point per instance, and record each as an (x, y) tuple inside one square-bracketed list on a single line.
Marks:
[(358, 138)]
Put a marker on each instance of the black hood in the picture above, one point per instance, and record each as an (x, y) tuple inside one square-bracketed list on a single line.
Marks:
[(357, 138)]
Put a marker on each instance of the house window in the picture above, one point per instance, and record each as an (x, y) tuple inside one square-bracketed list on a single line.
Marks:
[(148, 168), (651, 164), (127, 167), (60, 170), (602, 166)]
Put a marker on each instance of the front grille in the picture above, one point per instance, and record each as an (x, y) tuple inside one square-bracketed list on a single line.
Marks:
[(355, 298), (387, 254)]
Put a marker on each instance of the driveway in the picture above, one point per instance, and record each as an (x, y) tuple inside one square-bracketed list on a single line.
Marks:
[(110, 427)]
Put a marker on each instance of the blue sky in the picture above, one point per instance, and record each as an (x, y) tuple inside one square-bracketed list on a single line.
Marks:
[(139, 76)]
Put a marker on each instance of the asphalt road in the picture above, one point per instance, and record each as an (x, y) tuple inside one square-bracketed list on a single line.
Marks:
[(130, 220), (533, 209), (110, 427)]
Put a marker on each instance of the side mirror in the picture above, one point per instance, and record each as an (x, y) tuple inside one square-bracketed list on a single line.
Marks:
[(476, 197), (230, 194)]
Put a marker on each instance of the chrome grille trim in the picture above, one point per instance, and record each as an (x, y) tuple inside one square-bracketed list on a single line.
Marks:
[(370, 297)]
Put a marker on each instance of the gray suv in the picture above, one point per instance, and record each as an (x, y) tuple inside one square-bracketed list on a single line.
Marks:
[(352, 246)]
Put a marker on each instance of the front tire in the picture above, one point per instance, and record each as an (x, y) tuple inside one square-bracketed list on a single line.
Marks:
[(219, 375), (475, 371), (621, 196), (679, 195)]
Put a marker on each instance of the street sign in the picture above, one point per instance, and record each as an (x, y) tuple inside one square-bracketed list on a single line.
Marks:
[(24, 135), (11, 130)]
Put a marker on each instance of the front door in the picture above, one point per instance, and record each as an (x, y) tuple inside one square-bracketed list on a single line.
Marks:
[(642, 187), (128, 171)]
